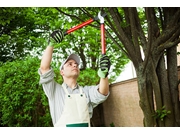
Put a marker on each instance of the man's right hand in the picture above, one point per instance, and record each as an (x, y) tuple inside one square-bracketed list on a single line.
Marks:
[(55, 38)]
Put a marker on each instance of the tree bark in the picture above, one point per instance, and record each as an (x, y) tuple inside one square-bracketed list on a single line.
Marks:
[(173, 82), (168, 120)]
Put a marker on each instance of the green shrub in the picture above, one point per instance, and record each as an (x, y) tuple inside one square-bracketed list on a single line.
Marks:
[(23, 102)]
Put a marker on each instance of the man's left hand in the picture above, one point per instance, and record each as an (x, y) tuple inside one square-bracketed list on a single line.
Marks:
[(104, 66)]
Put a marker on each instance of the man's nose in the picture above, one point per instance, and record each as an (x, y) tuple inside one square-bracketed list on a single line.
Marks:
[(75, 65)]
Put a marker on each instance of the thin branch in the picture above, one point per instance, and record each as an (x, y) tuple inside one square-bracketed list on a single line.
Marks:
[(150, 37), (161, 17), (135, 36), (141, 32), (124, 51), (127, 29), (74, 16), (86, 12)]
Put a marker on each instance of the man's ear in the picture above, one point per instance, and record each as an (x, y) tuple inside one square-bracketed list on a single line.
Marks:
[(61, 72)]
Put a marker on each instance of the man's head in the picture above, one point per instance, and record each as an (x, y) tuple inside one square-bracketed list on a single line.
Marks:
[(70, 66)]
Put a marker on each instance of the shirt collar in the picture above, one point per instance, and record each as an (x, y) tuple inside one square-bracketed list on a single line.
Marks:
[(67, 87)]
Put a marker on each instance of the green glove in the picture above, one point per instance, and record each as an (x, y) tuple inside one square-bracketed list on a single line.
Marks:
[(55, 38), (104, 66)]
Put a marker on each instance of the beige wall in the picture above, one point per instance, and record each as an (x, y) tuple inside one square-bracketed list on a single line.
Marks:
[(122, 106)]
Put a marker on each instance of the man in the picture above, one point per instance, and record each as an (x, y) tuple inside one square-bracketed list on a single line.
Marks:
[(70, 104)]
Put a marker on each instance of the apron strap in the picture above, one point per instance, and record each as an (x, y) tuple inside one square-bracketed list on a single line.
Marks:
[(80, 89)]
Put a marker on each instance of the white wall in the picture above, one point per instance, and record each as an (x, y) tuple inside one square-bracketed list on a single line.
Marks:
[(128, 73)]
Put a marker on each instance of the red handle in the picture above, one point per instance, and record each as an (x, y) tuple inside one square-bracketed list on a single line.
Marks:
[(103, 44), (79, 26)]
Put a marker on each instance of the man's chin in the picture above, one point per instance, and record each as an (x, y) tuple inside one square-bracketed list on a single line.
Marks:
[(76, 75)]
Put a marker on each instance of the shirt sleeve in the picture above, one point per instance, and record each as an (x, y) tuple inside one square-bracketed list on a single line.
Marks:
[(95, 96), (48, 83)]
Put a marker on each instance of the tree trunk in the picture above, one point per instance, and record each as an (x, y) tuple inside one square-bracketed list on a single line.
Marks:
[(146, 97), (173, 82), (155, 87), (165, 93)]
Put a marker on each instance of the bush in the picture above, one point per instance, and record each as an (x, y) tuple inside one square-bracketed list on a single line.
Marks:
[(23, 102)]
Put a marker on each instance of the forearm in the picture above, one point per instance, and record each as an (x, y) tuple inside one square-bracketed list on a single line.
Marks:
[(46, 59), (104, 86)]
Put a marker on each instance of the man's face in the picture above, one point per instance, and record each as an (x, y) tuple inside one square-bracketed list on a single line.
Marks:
[(70, 69)]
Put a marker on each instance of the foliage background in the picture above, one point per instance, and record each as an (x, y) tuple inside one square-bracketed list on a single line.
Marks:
[(23, 102)]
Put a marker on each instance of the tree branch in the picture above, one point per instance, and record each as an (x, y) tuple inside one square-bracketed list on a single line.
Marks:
[(168, 35), (135, 36), (122, 36), (170, 28), (168, 45), (152, 25), (74, 16)]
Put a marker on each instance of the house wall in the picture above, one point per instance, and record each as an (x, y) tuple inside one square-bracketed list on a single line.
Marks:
[(122, 106)]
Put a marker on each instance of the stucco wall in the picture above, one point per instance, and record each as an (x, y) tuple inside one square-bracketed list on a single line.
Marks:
[(122, 106)]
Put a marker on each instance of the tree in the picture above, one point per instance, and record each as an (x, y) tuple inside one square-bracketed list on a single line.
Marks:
[(156, 31), (15, 22), (23, 29)]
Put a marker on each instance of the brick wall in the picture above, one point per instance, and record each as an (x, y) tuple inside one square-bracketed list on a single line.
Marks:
[(122, 106)]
